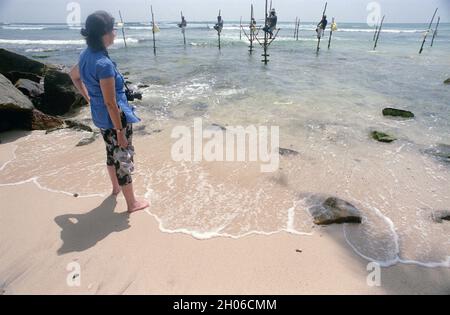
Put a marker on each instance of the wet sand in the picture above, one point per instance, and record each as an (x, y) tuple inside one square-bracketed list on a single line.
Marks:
[(43, 230)]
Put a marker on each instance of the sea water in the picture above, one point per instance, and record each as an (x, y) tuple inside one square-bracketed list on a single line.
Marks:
[(325, 104)]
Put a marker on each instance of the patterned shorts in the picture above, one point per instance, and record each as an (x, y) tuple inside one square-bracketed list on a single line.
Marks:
[(121, 159)]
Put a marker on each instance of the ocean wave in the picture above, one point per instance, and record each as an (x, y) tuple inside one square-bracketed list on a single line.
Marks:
[(58, 42), (367, 30), (24, 28)]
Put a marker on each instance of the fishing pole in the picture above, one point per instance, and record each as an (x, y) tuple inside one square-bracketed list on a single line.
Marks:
[(428, 31), (378, 34), (123, 30), (435, 31)]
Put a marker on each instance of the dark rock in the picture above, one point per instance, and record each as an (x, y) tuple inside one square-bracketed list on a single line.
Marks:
[(40, 56), (10, 62), (382, 137), (288, 152), (41, 121), (75, 195), (440, 215), (77, 125), (441, 152), (141, 86), (447, 81), (14, 76), (60, 95), (335, 210), (219, 126), (88, 140), (126, 73), (15, 108), (397, 113), (30, 88)]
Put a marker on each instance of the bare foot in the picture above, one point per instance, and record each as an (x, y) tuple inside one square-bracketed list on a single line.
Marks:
[(139, 205)]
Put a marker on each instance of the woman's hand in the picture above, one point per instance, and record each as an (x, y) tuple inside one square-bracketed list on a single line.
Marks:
[(122, 139)]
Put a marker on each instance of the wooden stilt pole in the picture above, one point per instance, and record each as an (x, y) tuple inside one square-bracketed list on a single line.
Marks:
[(331, 33), (219, 30), (252, 30), (376, 30), (428, 31), (183, 30), (265, 55), (319, 37), (295, 28), (240, 29), (298, 28), (378, 34), (435, 31), (123, 29), (153, 30)]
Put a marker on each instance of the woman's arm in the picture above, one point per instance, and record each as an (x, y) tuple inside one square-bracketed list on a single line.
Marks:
[(109, 97), (76, 79)]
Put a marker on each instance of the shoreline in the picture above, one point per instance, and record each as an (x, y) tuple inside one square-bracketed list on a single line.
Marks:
[(163, 263), (36, 252)]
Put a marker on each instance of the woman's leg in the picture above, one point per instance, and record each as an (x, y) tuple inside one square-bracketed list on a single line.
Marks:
[(124, 166), (114, 181), (110, 145)]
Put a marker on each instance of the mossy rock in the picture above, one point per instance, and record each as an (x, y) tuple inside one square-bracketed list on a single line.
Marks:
[(447, 81), (382, 137), (397, 113)]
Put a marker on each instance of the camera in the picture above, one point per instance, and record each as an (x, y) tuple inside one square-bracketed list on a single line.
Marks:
[(132, 95)]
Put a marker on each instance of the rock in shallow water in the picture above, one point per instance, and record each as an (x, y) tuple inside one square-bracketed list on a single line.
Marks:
[(288, 152), (447, 81), (397, 113), (440, 215), (88, 140), (441, 152), (335, 210), (382, 137)]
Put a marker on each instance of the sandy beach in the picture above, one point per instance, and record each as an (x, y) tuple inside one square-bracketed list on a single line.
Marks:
[(43, 231)]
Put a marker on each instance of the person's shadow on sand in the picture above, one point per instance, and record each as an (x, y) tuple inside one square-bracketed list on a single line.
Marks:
[(82, 231)]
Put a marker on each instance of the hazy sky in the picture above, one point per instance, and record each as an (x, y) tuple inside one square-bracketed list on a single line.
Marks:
[(55, 11)]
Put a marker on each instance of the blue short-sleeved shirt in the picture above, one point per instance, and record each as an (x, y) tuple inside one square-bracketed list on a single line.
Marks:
[(94, 66)]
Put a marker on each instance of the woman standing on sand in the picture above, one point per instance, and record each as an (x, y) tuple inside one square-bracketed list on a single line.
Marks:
[(98, 80)]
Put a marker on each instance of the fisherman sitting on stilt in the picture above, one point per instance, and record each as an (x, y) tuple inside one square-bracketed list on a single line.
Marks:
[(219, 25), (271, 23), (253, 24), (183, 24), (321, 27)]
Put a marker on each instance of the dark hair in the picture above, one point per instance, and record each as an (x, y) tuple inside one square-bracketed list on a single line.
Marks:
[(98, 24)]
